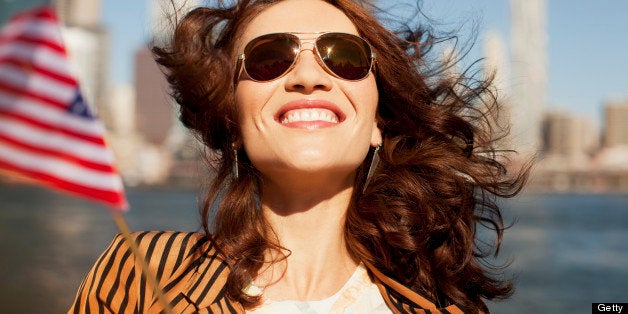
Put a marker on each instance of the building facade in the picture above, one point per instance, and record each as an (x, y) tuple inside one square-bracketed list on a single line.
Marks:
[(568, 139), (529, 72), (616, 120)]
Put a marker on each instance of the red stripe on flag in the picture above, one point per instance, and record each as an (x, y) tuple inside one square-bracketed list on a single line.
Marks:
[(52, 128), (21, 92), (9, 141), (43, 71), (113, 198), (36, 41)]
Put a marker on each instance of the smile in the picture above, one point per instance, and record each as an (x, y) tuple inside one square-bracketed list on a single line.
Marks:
[(309, 114)]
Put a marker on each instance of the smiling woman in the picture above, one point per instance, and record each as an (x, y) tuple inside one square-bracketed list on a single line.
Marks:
[(351, 177)]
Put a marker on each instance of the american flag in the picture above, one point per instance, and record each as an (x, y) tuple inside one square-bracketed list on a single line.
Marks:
[(47, 132)]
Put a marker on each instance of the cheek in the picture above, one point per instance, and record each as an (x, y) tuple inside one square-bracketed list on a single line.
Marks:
[(254, 124), (250, 98), (373, 95), (244, 97), (365, 97)]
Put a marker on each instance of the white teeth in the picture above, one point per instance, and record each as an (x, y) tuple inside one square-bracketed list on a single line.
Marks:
[(309, 114)]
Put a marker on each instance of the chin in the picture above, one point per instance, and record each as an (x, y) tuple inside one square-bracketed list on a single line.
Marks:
[(313, 166)]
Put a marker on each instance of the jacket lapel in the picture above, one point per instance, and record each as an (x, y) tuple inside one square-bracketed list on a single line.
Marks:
[(416, 304)]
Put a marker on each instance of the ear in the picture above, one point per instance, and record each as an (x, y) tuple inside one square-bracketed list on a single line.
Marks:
[(376, 136)]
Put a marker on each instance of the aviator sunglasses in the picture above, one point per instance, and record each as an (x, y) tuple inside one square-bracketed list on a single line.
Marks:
[(271, 56)]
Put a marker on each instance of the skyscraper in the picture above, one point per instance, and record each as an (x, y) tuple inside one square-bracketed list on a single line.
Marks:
[(84, 13), (160, 136), (616, 118), (155, 109), (496, 62), (614, 154), (529, 72), (496, 66), (88, 44), (567, 140)]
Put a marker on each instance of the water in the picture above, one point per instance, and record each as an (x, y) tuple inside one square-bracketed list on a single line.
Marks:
[(567, 250), (48, 241)]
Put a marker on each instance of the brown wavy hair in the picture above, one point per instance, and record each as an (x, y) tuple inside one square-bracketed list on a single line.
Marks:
[(437, 183)]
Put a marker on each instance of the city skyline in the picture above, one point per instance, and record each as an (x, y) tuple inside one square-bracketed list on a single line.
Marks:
[(581, 76)]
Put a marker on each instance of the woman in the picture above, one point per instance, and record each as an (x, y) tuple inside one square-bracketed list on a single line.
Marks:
[(301, 98)]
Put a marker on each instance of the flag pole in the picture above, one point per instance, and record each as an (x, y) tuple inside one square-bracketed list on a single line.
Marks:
[(150, 277)]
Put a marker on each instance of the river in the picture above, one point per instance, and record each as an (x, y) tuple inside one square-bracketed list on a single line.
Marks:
[(567, 251)]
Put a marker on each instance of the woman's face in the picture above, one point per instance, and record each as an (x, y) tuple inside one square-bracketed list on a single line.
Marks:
[(275, 117)]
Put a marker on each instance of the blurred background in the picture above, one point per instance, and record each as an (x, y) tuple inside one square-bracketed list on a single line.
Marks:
[(561, 72)]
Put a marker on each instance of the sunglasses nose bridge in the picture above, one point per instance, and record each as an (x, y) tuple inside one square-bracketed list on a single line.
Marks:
[(307, 44), (310, 44)]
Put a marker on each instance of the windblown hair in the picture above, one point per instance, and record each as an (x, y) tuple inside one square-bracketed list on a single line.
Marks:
[(436, 185)]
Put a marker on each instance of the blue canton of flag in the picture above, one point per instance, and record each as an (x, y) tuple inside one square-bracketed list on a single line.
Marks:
[(79, 107)]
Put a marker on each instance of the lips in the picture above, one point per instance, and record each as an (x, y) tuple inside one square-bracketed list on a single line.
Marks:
[(309, 114)]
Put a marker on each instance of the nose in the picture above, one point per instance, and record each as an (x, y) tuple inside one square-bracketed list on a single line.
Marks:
[(308, 75)]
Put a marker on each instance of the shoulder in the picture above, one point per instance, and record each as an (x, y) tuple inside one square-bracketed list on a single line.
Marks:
[(187, 266), (162, 250), (149, 240), (172, 256), (155, 245)]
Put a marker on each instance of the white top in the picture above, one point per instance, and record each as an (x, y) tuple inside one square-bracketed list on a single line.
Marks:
[(358, 295)]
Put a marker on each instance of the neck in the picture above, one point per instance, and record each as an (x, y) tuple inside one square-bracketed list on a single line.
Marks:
[(308, 220)]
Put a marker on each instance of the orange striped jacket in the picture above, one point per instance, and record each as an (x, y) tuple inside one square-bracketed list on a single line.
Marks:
[(192, 282)]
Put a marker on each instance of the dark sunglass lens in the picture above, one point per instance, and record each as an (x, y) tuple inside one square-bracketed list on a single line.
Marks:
[(346, 55), (269, 57)]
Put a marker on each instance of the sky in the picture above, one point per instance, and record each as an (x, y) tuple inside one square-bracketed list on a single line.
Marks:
[(587, 43)]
